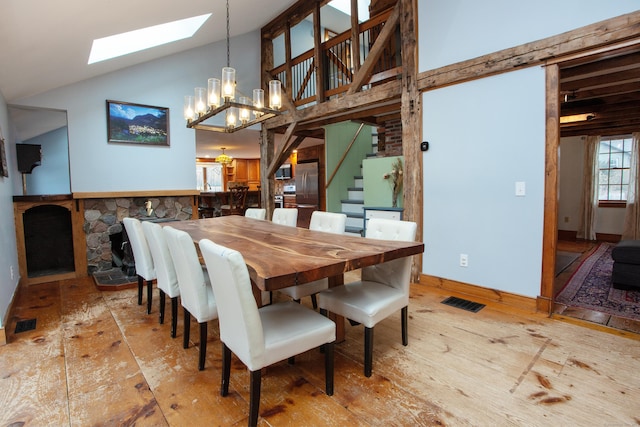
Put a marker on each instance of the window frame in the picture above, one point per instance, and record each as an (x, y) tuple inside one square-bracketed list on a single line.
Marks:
[(602, 203)]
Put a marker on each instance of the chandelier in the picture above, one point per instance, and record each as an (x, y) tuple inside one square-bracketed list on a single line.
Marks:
[(220, 97), (223, 158)]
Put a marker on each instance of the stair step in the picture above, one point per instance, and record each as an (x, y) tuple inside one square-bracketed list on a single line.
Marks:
[(356, 231), (354, 222), (352, 206)]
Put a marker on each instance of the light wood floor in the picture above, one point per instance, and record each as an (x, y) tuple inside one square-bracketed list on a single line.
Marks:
[(97, 358)]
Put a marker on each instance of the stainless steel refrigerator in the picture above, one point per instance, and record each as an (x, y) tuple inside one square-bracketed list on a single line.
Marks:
[(307, 196)]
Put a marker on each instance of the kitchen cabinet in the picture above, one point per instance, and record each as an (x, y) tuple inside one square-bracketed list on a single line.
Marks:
[(308, 154), (244, 170), (290, 201)]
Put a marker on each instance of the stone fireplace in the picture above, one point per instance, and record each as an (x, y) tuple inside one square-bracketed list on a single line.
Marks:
[(103, 218)]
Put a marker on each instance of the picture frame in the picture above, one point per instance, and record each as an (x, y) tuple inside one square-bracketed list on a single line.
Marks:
[(4, 169), (131, 123)]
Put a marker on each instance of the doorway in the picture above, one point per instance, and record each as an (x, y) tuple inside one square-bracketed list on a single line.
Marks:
[(603, 84)]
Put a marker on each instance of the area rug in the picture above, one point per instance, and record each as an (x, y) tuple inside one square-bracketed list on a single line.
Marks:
[(590, 287), (564, 260)]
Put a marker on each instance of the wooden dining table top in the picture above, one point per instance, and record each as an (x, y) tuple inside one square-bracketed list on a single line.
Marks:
[(279, 256)]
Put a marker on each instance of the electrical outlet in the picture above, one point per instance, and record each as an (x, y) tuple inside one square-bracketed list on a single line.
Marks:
[(464, 260), (566, 219), (11, 270)]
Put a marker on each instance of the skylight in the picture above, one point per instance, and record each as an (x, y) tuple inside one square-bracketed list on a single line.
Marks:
[(144, 38)]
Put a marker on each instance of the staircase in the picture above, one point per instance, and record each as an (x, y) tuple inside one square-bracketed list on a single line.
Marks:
[(353, 206)]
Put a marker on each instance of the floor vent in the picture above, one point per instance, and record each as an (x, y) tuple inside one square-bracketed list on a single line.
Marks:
[(25, 325), (464, 304)]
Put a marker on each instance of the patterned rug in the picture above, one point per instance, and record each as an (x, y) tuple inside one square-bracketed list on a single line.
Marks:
[(590, 287)]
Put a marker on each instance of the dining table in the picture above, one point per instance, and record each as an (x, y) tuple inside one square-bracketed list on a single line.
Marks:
[(279, 256)]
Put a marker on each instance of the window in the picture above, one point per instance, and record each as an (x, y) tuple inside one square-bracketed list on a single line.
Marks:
[(209, 176), (614, 159)]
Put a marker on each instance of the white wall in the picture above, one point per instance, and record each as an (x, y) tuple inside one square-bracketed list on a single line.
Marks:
[(164, 83), (8, 250), (477, 152), (52, 176)]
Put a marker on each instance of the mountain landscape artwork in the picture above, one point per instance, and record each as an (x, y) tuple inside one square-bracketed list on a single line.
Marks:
[(137, 124)]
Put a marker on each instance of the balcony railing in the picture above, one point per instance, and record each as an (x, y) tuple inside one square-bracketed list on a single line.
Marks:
[(337, 68)]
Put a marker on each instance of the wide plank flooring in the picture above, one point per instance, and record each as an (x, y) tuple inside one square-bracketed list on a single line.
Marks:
[(96, 358)]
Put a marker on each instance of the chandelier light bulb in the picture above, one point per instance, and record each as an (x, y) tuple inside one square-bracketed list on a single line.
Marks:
[(214, 92), (258, 101), (275, 94), (232, 116), (245, 115), (228, 83), (200, 100), (189, 108)]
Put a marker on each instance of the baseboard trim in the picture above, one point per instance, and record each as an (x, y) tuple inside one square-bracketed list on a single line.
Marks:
[(493, 295), (7, 315)]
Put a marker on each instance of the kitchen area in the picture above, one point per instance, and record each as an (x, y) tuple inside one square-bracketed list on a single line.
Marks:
[(300, 183)]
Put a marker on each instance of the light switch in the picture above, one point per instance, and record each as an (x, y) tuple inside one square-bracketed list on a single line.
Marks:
[(520, 188)]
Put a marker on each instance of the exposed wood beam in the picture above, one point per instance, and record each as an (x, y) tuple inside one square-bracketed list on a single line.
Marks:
[(550, 219), (604, 33), (292, 16), (317, 55), (364, 73), (411, 114), (355, 36), (385, 93), (280, 156)]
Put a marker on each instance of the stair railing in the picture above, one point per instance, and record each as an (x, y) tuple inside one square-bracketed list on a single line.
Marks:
[(344, 155)]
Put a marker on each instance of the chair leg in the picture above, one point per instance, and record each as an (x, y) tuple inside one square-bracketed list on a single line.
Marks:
[(163, 298), (404, 315), (254, 400), (368, 351), (314, 301), (203, 345), (187, 329), (149, 295), (328, 367), (226, 370), (174, 316), (140, 286)]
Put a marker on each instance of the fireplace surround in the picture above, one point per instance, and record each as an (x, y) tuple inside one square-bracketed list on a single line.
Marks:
[(94, 218)]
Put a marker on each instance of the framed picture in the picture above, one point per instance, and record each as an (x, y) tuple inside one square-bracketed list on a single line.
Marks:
[(4, 170), (137, 124)]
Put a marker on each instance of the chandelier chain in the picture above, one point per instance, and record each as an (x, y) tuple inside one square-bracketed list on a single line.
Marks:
[(228, 49)]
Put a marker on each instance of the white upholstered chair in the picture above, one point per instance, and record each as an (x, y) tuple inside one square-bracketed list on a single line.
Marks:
[(196, 294), (166, 278), (142, 257), (257, 213), (329, 222), (260, 337), (382, 290), (285, 216)]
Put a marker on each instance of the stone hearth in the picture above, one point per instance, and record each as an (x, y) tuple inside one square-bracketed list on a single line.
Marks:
[(103, 217)]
